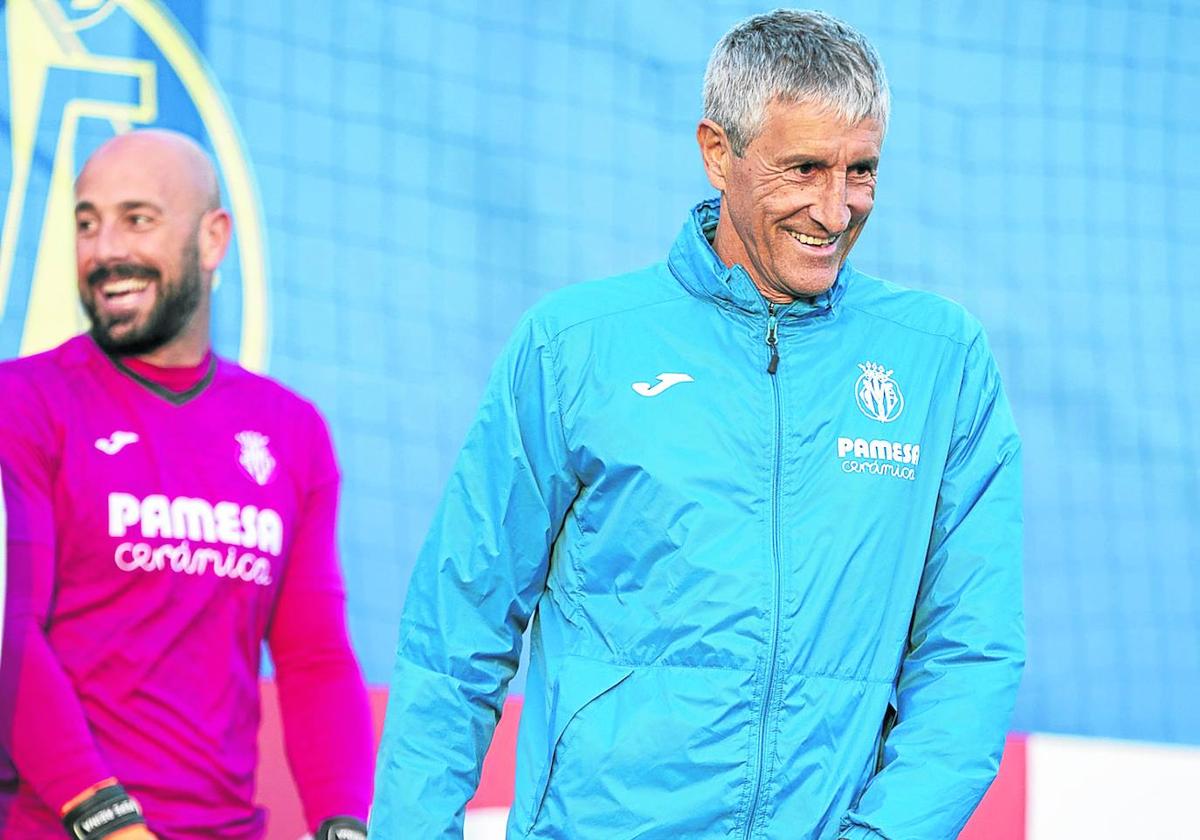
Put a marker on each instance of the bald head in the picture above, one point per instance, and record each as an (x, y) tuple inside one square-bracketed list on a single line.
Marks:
[(174, 156), (149, 233)]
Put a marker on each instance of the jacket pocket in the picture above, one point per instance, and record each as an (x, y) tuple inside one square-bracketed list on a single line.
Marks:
[(581, 682), (889, 721)]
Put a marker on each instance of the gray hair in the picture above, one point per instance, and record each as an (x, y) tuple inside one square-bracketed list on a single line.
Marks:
[(792, 56)]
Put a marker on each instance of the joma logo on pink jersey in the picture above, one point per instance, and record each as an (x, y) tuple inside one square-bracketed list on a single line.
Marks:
[(185, 518)]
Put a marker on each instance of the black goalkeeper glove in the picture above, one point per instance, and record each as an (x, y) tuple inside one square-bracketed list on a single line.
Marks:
[(109, 812), (341, 828)]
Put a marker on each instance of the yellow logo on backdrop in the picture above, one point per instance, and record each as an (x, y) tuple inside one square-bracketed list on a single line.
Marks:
[(44, 42)]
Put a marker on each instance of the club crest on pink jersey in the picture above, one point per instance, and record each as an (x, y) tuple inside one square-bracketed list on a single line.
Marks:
[(255, 458)]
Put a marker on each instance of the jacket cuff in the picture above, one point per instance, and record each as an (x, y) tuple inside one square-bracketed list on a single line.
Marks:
[(859, 832)]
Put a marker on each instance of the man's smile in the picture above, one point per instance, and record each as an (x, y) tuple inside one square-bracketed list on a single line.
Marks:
[(125, 286), (820, 243)]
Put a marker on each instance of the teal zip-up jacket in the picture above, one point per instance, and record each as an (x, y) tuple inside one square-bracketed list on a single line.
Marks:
[(772, 557)]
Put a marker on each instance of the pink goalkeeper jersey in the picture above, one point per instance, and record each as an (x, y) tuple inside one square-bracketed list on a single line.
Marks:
[(166, 536)]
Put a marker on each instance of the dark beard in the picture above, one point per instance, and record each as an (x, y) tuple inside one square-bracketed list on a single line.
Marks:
[(172, 310)]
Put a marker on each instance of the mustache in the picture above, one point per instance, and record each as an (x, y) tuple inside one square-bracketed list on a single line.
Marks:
[(123, 271)]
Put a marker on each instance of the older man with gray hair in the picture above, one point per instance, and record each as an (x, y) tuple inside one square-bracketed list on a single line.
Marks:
[(762, 509)]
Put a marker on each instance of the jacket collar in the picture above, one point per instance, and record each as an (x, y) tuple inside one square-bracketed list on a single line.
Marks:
[(698, 268)]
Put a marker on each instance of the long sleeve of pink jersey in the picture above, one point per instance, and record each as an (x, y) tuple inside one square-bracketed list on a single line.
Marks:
[(45, 731), (42, 724), (323, 702)]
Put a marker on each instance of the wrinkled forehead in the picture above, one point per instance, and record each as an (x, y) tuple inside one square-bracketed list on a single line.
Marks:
[(817, 125)]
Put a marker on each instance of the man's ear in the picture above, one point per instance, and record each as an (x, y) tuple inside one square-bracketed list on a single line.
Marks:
[(716, 152), (216, 229)]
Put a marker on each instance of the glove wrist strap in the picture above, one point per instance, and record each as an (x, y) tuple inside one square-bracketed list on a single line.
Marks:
[(341, 828), (106, 811)]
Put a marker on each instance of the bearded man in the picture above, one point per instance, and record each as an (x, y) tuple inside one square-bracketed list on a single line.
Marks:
[(167, 512)]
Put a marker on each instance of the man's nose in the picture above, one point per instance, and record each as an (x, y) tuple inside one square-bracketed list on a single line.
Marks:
[(109, 244), (830, 207)]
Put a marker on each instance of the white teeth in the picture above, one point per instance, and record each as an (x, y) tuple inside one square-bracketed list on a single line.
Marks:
[(812, 240), (122, 287)]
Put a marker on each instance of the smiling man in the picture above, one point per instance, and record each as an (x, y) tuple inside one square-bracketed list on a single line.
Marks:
[(762, 509), (141, 274), (168, 511)]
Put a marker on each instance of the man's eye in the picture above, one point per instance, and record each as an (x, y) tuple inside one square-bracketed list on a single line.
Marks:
[(806, 168), (862, 171), (84, 225), (139, 220)]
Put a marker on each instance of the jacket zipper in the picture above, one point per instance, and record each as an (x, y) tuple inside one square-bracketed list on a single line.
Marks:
[(772, 366), (773, 343)]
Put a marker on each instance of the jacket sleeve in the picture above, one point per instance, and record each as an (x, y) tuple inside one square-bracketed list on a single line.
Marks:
[(475, 585), (958, 681)]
